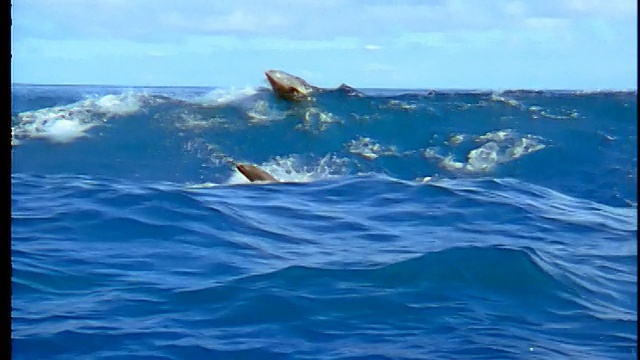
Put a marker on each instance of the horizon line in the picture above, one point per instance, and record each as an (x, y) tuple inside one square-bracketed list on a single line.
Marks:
[(362, 88)]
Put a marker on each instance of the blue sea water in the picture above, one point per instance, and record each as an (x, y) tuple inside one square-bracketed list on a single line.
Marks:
[(408, 224)]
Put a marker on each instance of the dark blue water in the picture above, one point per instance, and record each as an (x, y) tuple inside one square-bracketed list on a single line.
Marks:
[(409, 225)]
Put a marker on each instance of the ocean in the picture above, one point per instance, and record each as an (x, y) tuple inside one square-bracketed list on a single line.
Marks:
[(408, 224)]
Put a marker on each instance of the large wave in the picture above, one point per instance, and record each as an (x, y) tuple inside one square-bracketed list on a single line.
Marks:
[(190, 135)]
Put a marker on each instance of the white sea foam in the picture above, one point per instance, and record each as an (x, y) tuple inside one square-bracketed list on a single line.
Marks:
[(483, 158), (538, 111), (316, 120), (65, 130), (397, 104), (63, 124), (523, 146), (118, 105), (499, 147), (196, 122), (219, 97), (497, 97), (369, 148), (498, 135), (456, 139), (262, 113)]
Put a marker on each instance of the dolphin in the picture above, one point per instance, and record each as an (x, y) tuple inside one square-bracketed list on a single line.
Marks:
[(254, 173), (289, 87), (293, 88)]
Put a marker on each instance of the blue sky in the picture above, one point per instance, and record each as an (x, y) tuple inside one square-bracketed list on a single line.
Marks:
[(440, 44)]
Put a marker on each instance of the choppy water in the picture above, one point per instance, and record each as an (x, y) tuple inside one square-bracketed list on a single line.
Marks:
[(409, 224)]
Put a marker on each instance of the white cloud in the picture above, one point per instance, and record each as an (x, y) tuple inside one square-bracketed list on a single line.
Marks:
[(161, 31), (166, 20)]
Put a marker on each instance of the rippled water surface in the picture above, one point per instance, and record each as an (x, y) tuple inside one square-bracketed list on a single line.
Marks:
[(417, 224)]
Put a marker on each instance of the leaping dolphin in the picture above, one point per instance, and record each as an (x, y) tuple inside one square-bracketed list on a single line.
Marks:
[(293, 88), (289, 87), (254, 173)]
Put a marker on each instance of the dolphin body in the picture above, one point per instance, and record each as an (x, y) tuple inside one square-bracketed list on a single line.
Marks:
[(293, 88), (254, 173)]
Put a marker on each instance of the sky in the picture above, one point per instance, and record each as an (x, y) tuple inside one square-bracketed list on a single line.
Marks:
[(410, 44)]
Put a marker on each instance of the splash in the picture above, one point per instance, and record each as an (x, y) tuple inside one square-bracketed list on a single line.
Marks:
[(220, 97), (369, 148), (119, 105), (498, 135), (261, 113), (63, 124), (538, 112), (399, 105), (498, 97), (196, 122), (498, 147), (316, 120), (296, 169), (456, 139), (64, 130)]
